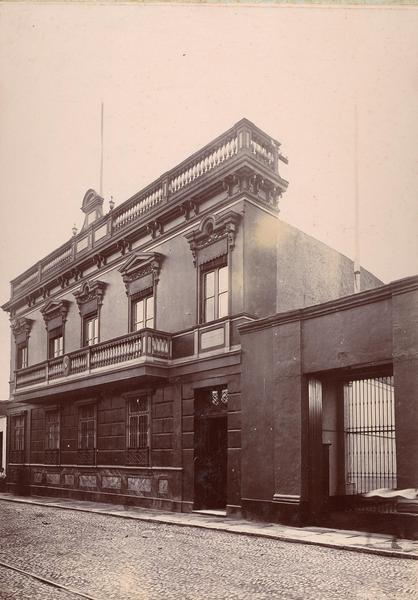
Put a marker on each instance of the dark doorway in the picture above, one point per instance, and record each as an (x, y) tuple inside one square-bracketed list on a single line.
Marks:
[(1, 449), (210, 448)]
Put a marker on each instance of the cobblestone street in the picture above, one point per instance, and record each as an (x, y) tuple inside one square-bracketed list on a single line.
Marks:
[(111, 558)]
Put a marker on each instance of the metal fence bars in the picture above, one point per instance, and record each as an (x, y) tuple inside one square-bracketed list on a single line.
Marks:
[(369, 432)]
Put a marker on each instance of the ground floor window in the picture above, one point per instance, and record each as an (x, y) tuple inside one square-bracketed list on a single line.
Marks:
[(138, 423), (138, 426), (87, 427), (17, 433), (369, 431), (52, 426)]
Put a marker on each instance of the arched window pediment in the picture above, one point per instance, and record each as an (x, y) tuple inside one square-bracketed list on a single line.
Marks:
[(141, 271), (90, 296), (217, 232)]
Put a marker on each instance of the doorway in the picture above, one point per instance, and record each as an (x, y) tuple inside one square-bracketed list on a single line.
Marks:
[(210, 449)]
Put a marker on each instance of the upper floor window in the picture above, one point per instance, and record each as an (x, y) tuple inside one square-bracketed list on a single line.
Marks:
[(87, 427), (52, 430), (17, 433), (138, 423), (140, 275), (55, 342), (89, 300), (215, 293), (91, 329), (21, 328), (55, 314), (22, 355), (142, 312)]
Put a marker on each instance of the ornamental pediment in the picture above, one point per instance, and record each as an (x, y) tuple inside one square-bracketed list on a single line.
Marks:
[(140, 264), (90, 291), (92, 207), (213, 229), (21, 327), (54, 309)]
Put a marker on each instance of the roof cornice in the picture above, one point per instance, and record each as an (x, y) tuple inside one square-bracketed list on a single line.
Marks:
[(244, 153)]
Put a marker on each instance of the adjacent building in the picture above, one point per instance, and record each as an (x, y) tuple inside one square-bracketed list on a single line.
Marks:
[(140, 369)]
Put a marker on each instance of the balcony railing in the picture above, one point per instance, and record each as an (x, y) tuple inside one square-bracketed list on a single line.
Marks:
[(147, 342), (202, 340), (243, 139)]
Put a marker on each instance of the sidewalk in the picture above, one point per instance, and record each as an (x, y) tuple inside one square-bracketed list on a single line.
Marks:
[(355, 541)]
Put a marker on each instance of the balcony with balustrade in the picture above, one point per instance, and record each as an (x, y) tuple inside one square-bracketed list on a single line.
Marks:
[(145, 357), (142, 355)]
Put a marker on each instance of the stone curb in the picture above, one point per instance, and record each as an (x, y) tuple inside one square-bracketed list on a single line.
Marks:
[(219, 527)]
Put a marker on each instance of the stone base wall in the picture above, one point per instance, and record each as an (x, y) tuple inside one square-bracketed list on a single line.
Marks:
[(151, 488)]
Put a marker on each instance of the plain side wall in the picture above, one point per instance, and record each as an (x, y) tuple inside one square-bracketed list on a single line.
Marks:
[(356, 336), (310, 272), (260, 259), (405, 370), (257, 414), (273, 396)]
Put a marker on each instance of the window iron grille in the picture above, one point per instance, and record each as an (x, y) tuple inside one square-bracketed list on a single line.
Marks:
[(52, 430), (138, 423), (369, 431), (219, 397), (87, 427), (18, 433)]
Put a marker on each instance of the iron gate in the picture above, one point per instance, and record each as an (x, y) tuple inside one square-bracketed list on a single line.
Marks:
[(369, 431)]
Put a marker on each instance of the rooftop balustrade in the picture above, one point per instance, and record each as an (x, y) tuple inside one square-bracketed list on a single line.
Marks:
[(244, 139)]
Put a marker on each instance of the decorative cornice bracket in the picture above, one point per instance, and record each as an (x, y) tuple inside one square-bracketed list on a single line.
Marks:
[(99, 260), (123, 246), (189, 208), (154, 228)]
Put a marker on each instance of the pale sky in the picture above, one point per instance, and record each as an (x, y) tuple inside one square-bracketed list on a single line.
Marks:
[(174, 77)]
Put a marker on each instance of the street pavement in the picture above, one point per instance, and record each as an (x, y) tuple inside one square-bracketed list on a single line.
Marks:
[(103, 556), (333, 538)]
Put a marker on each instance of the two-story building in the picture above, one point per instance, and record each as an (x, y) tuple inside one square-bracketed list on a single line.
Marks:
[(126, 356)]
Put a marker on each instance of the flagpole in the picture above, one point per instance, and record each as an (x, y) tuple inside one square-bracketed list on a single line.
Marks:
[(357, 284), (101, 151)]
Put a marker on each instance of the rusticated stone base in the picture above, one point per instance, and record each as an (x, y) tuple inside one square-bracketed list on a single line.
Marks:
[(151, 488)]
